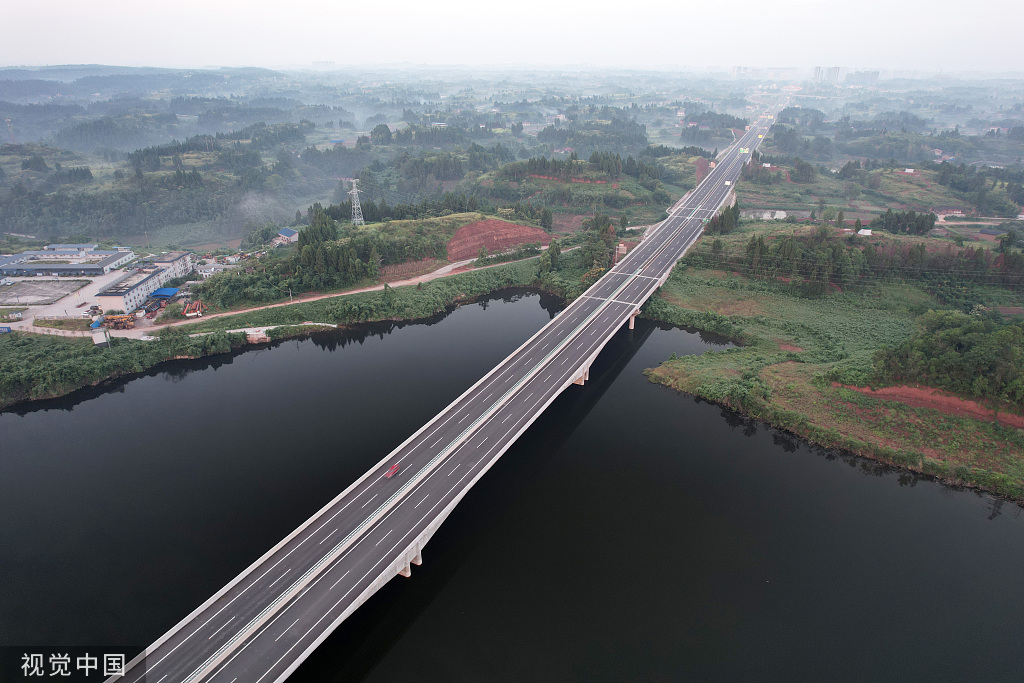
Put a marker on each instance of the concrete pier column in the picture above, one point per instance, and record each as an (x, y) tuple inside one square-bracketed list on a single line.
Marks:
[(418, 560), (632, 319), (583, 376), (405, 571)]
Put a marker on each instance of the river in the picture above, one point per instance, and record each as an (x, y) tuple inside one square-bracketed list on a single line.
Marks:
[(633, 533)]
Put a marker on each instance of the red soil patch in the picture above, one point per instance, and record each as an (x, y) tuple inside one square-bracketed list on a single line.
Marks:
[(924, 397), (790, 347), (701, 166), (407, 269), (493, 235), (1011, 310)]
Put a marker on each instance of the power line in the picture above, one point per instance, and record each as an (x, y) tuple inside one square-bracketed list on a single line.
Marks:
[(357, 210)]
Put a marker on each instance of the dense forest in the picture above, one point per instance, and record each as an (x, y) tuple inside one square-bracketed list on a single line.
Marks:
[(969, 355), (817, 263)]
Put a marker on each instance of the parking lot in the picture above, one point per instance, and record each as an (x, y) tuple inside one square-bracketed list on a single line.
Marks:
[(38, 292)]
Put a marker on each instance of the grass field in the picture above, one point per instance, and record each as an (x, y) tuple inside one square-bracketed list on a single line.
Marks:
[(792, 350), (881, 189), (77, 324)]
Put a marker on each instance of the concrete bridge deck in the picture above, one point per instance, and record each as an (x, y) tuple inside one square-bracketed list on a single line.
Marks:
[(263, 624)]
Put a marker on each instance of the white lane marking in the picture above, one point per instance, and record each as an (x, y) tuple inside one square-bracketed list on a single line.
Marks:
[(421, 502), (301, 542), (436, 442), (335, 605), (371, 569), (363, 505), (505, 418), (162, 678), (463, 418), (326, 537), (286, 630), (339, 579), (191, 634), (545, 346), (563, 360), (548, 377), (221, 628), (579, 345), (528, 397), (453, 469), (383, 537), (488, 395), (280, 577)]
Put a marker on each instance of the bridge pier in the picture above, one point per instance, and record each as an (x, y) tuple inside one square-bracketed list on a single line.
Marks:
[(632, 318), (415, 559), (584, 376)]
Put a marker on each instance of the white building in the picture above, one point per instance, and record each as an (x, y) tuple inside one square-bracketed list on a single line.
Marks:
[(177, 263), (213, 269), (132, 291)]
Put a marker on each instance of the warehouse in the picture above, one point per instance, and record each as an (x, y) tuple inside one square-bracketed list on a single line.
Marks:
[(132, 291)]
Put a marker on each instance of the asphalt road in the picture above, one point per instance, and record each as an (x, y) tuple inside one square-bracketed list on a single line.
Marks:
[(264, 624)]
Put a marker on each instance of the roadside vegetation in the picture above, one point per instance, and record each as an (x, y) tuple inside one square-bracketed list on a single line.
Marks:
[(38, 366), (817, 317), (34, 366)]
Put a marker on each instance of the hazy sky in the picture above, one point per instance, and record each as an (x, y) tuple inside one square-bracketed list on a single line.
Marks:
[(881, 33)]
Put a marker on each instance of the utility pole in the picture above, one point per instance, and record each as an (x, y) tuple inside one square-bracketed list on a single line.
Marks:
[(357, 211)]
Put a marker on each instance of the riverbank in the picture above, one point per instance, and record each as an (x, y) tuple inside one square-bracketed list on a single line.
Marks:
[(36, 367), (793, 346)]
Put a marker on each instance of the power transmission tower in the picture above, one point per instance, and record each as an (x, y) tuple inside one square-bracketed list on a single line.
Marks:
[(357, 211), (10, 131)]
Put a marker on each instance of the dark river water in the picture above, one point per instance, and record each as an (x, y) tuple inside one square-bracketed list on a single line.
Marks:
[(632, 533)]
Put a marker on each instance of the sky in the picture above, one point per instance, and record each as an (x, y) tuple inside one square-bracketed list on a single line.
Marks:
[(660, 34)]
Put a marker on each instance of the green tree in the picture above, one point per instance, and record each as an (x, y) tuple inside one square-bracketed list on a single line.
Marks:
[(381, 134), (373, 266), (555, 252), (1008, 240), (546, 218)]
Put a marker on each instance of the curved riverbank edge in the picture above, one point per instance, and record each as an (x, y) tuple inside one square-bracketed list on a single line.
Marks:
[(800, 424), (58, 366)]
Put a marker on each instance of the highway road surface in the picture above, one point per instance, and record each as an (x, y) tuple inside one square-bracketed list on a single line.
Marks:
[(263, 624)]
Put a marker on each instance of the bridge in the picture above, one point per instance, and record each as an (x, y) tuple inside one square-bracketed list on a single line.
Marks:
[(263, 624)]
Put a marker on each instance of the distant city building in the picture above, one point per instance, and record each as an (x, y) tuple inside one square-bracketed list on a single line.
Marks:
[(827, 75), (862, 78)]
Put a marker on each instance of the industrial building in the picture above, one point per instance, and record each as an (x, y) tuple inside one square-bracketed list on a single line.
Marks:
[(132, 291), (177, 263), (64, 259)]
